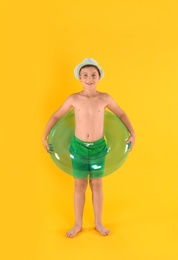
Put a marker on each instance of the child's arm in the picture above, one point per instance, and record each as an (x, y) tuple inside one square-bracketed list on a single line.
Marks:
[(62, 110), (113, 106)]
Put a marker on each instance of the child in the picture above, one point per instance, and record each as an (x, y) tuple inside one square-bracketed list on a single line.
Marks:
[(89, 105)]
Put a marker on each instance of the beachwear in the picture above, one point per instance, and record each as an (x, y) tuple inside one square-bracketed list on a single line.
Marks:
[(88, 158)]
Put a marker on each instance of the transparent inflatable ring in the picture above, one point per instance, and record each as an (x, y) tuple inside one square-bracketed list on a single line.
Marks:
[(115, 134)]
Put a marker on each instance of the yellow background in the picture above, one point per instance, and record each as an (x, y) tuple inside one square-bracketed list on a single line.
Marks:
[(136, 43)]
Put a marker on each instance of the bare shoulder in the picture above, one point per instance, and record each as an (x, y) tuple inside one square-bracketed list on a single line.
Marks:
[(104, 96), (74, 96)]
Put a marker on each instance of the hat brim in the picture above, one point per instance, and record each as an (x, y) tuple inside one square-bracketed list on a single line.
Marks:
[(79, 66)]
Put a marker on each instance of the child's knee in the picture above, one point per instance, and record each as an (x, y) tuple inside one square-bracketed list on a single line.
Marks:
[(80, 185), (96, 184)]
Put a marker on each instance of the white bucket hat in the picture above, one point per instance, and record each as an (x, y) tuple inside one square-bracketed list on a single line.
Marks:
[(87, 61)]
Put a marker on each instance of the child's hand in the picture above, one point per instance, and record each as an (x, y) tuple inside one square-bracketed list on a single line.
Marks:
[(131, 140), (45, 144), (48, 147)]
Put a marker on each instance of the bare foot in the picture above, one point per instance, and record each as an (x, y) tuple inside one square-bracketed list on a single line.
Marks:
[(73, 232), (102, 230)]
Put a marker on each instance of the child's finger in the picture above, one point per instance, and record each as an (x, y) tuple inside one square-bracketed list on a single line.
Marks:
[(129, 145), (50, 150)]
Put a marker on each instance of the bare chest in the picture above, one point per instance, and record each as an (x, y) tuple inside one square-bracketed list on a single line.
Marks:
[(89, 106)]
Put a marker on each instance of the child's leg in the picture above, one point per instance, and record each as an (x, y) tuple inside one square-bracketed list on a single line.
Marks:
[(97, 198), (79, 200)]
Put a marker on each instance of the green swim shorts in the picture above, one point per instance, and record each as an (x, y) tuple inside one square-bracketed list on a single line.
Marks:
[(88, 158)]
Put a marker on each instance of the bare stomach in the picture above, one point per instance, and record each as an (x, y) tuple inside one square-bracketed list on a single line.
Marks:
[(89, 134), (89, 125)]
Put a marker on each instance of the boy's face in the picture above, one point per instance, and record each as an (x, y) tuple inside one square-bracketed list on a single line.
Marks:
[(89, 77)]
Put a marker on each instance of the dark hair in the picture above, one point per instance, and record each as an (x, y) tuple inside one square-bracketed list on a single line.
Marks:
[(86, 66)]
